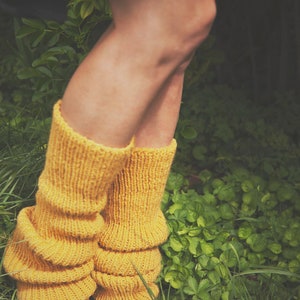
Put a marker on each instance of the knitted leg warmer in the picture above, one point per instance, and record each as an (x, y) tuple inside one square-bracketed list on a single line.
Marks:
[(134, 227), (50, 254)]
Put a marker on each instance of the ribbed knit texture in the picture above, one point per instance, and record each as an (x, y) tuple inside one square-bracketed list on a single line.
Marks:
[(134, 227), (51, 251)]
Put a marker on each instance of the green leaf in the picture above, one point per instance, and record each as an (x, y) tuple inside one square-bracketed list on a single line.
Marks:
[(201, 222), (53, 40), (175, 181), (217, 183), (275, 248), (199, 152), (174, 207), (209, 199), (45, 71), (205, 175), (241, 173), (226, 193), (257, 242), (204, 285), (191, 216), (25, 31), (176, 260), (174, 280), (175, 244), (203, 260), (226, 211), (214, 277), (62, 50), (207, 248), (245, 230), (266, 197), (189, 133), (192, 287), (39, 38), (53, 25), (193, 245), (203, 295), (222, 270), (86, 9), (247, 186), (285, 193), (208, 234), (194, 232), (229, 258), (225, 295), (294, 266), (247, 210), (27, 73), (34, 23)]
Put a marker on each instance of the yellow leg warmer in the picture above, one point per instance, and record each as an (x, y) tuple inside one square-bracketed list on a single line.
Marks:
[(134, 227), (50, 254)]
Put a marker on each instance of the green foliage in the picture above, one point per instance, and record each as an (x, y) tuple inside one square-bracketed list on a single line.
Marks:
[(220, 128), (219, 245), (235, 225), (46, 54)]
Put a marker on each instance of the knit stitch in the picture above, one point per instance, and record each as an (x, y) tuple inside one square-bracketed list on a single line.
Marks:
[(134, 227), (51, 251)]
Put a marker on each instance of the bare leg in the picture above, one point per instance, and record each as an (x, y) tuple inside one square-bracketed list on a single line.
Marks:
[(110, 92), (159, 123)]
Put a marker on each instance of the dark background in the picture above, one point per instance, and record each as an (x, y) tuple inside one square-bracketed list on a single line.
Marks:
[(261, 43)]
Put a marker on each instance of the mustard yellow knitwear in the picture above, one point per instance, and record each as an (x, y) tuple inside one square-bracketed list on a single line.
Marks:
[(134, 227), (50, 254)]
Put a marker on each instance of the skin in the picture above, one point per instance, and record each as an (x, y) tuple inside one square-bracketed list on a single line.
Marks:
[(131, 82)]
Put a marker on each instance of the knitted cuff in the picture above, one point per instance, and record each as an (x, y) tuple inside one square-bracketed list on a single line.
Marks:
[(54, 242), (117, 273), (134, 226), (133, 218)]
